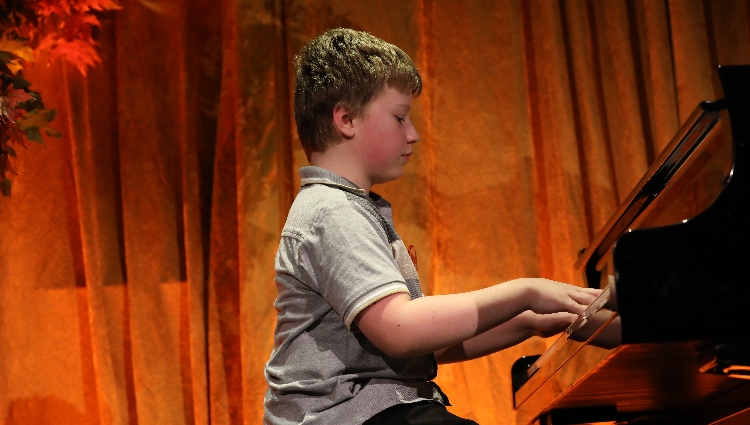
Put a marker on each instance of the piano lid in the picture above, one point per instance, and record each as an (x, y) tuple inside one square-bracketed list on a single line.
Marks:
[(681, 163)]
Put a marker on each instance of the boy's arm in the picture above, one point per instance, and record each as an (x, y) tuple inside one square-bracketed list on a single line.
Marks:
[(508, 334), (401, 327)]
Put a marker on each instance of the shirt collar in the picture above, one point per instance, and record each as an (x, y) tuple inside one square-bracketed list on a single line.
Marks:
[(317, 175)]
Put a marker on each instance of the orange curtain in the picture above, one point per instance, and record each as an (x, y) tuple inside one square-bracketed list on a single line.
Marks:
[(136, 252)]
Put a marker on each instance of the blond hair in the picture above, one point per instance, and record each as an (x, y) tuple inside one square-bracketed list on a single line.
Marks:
[(349, 68)]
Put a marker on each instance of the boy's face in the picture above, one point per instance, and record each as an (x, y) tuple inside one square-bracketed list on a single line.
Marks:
[(385, 135)]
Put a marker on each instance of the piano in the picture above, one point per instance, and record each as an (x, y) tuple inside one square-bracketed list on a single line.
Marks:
[(668, 340)]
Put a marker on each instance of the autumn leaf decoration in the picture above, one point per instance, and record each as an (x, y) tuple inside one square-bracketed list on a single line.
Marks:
[(63, 29), (30, 30), (22, 117)]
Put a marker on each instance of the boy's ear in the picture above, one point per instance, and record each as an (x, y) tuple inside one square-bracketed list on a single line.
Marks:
[(343, 121)]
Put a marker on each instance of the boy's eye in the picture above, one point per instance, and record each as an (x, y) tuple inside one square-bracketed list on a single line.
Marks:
[(400, 120)]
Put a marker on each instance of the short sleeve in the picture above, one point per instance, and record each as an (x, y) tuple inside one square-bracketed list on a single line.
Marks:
[(353, 263)]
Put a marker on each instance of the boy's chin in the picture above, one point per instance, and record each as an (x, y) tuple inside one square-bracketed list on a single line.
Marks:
[(389, 177)]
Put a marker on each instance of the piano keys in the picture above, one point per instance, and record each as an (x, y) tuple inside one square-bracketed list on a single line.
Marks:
[(668, 340)]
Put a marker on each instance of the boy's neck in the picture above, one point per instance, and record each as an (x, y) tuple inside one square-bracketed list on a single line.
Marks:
[(336, 161)]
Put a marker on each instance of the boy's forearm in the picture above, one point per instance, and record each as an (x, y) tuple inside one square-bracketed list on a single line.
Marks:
[(403, 328), (508, 334)]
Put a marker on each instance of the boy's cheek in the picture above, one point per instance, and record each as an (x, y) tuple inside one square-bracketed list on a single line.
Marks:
[(375, 153)]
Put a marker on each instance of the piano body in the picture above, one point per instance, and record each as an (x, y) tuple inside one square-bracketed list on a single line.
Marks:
[(668, 340)]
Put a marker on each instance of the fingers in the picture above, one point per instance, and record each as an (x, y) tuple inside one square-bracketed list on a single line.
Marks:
[(552, 324), (593, 291), (575, 307), (555, 319), (583, 297), (558, 297)]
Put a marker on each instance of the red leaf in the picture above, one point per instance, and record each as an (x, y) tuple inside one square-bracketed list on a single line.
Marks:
[(16, 96), (6, 110), (78, 52), (8, 167), (17, 138)]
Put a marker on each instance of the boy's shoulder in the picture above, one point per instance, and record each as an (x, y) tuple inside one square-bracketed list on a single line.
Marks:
[(322, 190), (326, 199)]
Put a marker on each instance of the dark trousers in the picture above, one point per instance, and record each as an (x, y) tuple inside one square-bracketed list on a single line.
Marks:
[(420, 413)]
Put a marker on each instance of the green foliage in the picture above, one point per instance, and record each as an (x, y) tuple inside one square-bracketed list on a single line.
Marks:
[(22, 116)]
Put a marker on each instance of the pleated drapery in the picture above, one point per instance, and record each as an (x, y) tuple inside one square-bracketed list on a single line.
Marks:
[(136, 252)]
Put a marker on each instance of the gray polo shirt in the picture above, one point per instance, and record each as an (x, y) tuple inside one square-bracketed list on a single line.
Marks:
[(338, 254)]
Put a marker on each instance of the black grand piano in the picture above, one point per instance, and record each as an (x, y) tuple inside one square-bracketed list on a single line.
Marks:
[(668, 340)]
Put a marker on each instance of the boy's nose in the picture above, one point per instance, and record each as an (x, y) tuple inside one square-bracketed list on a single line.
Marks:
[(412, 136)]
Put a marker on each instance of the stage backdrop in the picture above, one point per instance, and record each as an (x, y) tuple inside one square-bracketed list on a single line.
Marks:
[(136, 252)]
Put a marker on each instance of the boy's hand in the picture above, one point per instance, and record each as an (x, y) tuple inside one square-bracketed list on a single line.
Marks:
[(549, 297), (547, 325)]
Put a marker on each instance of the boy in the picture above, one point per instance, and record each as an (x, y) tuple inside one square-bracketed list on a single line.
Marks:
[(356, 341)]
